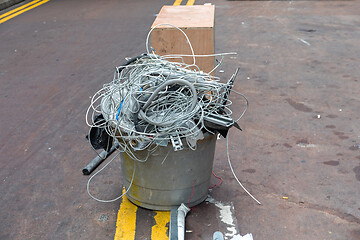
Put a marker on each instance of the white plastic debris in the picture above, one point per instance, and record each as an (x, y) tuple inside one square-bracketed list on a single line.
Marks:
[(182, 211), (245, 237), (303, 41)]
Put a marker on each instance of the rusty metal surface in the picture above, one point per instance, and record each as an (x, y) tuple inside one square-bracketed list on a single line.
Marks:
[(299, 68)]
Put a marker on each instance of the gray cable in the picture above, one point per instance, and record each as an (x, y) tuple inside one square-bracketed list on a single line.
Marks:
[(172, 96), (117, 198)]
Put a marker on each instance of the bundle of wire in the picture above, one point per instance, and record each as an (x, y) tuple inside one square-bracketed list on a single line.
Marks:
[(150, 100)]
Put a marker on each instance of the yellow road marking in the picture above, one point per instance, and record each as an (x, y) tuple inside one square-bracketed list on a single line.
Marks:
[(17, 12), (19, 8), (177, 2), (159, 230), (126, 220), (190, 2)]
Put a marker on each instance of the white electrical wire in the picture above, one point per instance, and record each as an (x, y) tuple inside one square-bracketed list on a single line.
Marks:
[(151, 99), (232, 170), (246, 106), (117, 198), (185, 35), (200, 55), (142, 90)]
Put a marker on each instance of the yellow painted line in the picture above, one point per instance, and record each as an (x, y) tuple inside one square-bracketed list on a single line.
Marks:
[(16, 13), (126, 220), (19, 8), (177, 2), (160, 229), (190, 2)]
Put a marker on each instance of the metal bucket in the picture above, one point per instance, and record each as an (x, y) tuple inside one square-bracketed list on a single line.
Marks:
[(163, 182)]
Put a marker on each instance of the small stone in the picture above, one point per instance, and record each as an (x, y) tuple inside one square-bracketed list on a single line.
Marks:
[(104, 218)]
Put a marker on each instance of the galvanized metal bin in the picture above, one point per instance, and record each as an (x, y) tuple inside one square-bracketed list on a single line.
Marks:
[(169, 178)]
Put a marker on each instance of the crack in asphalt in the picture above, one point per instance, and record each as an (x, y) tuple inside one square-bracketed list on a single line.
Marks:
[(345, 216)]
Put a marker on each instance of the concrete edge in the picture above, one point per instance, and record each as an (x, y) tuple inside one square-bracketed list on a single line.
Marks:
[(8, 3)]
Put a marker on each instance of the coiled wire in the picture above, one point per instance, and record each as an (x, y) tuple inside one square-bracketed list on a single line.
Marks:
[(152, 99)]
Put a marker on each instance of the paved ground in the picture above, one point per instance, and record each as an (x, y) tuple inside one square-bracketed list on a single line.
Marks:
[(8, 3), (299, 68)]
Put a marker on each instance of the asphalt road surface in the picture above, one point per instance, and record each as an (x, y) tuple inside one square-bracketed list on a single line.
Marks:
[(299, 153)]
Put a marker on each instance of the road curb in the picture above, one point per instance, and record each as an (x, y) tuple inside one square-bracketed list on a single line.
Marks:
[(8, 3)]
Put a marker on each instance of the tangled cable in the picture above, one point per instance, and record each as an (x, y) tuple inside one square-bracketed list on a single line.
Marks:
[(152, 101)]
